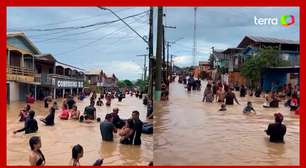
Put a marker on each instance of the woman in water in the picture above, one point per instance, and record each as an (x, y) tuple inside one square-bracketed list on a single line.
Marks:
[(36, 157), (49, 120), (75, 113), (208, 94), (64, 115), (277, 130), (127, 132), (77, 154), (24, 113)]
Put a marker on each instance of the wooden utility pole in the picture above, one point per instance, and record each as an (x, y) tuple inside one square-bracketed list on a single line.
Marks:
[(159, 53), (150, 89)]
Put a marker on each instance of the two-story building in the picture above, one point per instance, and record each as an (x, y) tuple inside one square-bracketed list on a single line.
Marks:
[(30, 72)]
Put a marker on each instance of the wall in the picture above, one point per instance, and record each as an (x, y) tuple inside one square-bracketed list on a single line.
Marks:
[(14, 91), (276, 77), (237, 77)]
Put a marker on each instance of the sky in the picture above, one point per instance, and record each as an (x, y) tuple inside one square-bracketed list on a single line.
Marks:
[(114, 47)]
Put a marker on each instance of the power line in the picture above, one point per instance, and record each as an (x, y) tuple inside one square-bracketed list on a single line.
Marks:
[(71, 34), (89, 43), (84, 26)]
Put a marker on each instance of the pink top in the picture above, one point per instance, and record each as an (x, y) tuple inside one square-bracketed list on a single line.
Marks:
[(64, 114)]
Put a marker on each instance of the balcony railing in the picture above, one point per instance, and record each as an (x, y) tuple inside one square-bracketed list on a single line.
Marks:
[(16, 70)]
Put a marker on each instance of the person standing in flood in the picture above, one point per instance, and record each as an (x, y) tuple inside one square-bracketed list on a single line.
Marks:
[(230, 97), (30, 125), (24, 113), (138, 124), (77, 154), (90, 111), (107, 128), (277, 130), (36, 157), (208, 94), (49, 120)]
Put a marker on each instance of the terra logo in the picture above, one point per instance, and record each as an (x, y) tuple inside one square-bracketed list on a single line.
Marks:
[(285, 20)]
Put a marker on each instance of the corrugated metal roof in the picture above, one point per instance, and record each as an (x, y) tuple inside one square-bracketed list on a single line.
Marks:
[(272, 40)]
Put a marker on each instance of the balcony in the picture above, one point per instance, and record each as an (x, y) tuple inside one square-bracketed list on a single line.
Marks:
[(20, 74)]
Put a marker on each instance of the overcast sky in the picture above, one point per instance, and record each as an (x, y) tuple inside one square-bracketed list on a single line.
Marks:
[(113, 47)]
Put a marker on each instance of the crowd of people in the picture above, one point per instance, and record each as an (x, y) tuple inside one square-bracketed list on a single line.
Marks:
[(129, 130), (223, 93)]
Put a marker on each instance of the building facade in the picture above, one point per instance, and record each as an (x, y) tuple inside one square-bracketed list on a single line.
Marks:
[(29, 72)]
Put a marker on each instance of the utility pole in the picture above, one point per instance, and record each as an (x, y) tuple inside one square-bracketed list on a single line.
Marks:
[(194, 51), (150, 89), (159, 53), (164, 56), (144, 65)]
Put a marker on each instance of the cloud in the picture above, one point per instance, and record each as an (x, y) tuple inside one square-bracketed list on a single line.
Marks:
[(123, 69)]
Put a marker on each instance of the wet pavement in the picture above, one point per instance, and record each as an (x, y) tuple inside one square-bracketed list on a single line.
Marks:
[(58, 140), (190, 132)]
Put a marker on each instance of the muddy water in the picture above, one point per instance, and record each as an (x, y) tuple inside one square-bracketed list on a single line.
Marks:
[(190, 132), (57, 141)]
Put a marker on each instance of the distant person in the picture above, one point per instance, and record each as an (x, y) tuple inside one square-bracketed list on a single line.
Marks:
[(24, 113), (277, 130), (77, 154), (98, 162), (55, 106), (70, 102), (107, 128), (36, 157), (220, 95), (274, 103), (208, 94), (64, 114), (99, 102), (117, 121), (30, 125), (223, 107), (46, 102), (230, 97), (75, 113), (49, 120), (258, 92), (242, 91), (249, 108), (127, 132), (138, 125), (90, 111)]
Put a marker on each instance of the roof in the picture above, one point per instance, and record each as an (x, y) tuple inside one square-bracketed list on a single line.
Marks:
[(203, 62), (45, 58), (26, 39), (229, 50), (258, 39), (94, 72)]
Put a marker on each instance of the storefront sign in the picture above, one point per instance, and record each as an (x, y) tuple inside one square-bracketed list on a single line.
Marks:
[(68, 84)]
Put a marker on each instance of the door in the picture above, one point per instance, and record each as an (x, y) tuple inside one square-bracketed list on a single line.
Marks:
[(7, 93)]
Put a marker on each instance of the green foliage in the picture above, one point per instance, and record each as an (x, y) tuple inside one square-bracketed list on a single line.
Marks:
[(121, 84), (141, 84), (252, 67), (128, 83)]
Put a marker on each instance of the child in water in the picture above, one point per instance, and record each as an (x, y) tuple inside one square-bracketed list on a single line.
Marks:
[(249, 108), (223, 107)]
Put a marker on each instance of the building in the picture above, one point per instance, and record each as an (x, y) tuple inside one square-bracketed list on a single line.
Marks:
[(94, 77), (31, 72)]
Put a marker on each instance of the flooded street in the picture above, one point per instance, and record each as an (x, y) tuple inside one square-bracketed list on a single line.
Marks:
[(190, 132), (57, 141)]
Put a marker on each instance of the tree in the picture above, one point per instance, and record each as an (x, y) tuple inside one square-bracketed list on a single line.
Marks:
[(212, 60), (142, 85), (128, 83), (121, 84), (253, 66)]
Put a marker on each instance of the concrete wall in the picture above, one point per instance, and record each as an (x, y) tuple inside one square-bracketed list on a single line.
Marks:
[(14, 91)]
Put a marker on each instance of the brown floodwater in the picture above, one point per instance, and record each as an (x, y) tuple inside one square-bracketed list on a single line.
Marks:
[(57, 141), (190, 132)]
